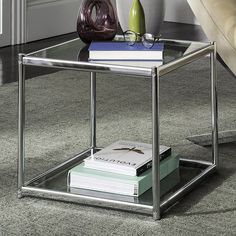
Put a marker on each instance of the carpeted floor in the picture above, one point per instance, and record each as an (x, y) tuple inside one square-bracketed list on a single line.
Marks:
[(58, 127)]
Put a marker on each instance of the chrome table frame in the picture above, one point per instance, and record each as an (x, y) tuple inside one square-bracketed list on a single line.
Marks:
[(154, 74)]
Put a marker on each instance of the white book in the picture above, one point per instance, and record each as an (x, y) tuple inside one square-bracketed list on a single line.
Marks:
[(122, 51), (167, 183), (125, 157), (135, 63), (104, 181)]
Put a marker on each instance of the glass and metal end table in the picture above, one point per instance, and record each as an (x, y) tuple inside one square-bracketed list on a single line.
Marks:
[(72, 55)]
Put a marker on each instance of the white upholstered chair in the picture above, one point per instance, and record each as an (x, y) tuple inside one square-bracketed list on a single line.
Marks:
[(218, 20)]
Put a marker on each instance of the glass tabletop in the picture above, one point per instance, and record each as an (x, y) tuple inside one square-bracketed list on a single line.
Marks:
[(77, 51)]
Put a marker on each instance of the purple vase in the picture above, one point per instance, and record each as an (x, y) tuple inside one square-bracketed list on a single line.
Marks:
[(97, 21)]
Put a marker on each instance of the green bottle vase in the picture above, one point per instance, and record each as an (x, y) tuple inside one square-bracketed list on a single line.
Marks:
[(137, 18)]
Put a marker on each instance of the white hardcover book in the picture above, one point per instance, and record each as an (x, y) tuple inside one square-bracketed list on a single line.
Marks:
[(125, 157), (135, 63), (105, 181), (167, 183), (122, 51)]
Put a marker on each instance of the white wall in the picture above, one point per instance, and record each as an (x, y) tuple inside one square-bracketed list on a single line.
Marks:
[(179, 11), (47, 18)]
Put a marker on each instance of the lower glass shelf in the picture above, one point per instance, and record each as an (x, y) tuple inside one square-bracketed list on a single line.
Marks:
[(184, 178)]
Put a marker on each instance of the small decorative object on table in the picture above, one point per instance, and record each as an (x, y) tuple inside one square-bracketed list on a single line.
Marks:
[(154, 11), (96, 21), (137, 18)]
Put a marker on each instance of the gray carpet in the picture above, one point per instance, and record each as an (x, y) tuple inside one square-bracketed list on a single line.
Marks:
[(57, 128)]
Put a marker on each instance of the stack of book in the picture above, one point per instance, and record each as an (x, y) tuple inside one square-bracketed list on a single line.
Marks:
[(120, 53), (123, 167)]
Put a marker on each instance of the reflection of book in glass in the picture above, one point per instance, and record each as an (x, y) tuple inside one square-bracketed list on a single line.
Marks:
[(167, 184), (86, 178), (137, 63), (125, 157)]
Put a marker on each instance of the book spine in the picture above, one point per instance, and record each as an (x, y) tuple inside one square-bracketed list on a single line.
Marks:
[(165, 154), (143, 168), (148, 165)]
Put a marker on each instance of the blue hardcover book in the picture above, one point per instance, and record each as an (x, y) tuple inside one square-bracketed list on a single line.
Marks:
[(122, 51)]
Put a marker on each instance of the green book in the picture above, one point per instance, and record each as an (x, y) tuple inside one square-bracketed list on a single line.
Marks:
[(86, 178), (167, 184)]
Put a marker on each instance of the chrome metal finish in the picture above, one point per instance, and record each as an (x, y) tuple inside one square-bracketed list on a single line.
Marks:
[(86, 66), (82, 199), (191, 162), (155, 145), (187, 188), (21, 124), (214, 109), (173, 65), (93, 109), (41, 185), (31, 189)]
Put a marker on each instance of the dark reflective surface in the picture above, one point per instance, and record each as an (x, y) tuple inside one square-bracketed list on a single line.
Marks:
[(9, 55), (9, 58), (77, 50)]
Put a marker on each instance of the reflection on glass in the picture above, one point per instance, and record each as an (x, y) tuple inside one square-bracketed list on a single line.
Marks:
[(75, 50), (83, 54)]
